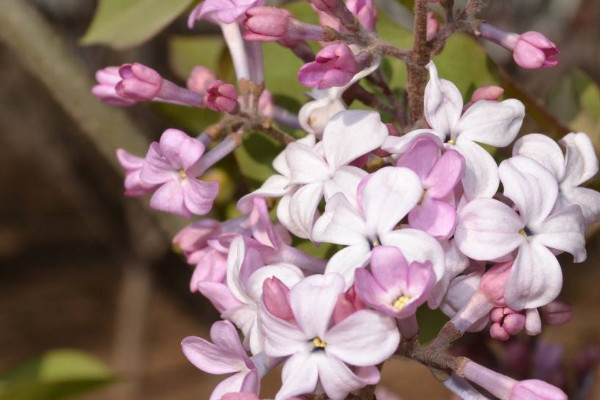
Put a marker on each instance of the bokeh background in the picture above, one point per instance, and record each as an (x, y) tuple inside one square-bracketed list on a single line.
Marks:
[(83, 267)]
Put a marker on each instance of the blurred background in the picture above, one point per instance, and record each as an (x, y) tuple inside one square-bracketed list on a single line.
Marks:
[(82, 267)]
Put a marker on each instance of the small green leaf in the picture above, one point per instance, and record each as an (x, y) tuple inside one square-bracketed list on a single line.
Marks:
[(57, 375), (255, 156), (125, 23)]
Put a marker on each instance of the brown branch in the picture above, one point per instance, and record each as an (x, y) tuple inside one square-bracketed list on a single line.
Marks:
[(417, 74)]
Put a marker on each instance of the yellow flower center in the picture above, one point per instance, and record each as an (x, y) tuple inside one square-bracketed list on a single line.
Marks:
[(523, 232), (319, 343), (182, 174), (401, 302), (451, 142)]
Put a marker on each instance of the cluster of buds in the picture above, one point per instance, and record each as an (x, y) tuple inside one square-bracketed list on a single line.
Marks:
[(414, 219)]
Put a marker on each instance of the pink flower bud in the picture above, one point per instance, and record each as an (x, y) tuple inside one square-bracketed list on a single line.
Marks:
[(534, 389), (139, 82), (325, 5), (222, 97), (200, 78), (534, 50), (105, 90), (347, 304), (506, 322), (366, 12), (493, 282), (433, 26), (276, 24), (556, 313), (334, 66), (276, 299), (240, 396), (488, 92)]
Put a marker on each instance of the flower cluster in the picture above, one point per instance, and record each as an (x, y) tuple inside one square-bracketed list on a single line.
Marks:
[(427, 216)]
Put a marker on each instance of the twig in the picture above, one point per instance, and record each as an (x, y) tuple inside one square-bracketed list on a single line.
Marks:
[(417, 74)]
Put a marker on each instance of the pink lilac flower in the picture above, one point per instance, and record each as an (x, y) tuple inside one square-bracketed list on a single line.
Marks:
[(222, 97), (200, 78), (571, 170), (273, 24), (319, 352), (334, 65), (433, 25), (506, 323), (384, 198), (347, 304), (487, 122), (392, 286), (439, 174), (105, 89), (169, 165), (226, 355), (134, 186), (489, 229)]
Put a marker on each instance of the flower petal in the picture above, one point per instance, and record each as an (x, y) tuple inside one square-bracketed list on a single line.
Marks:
[(287, 273), (306, 166), (219, 295), (350, 134), (388, 196), (347, 260), (445, 175), (156, 169), (491, 122), (299, 376), (233, 384), (421, 157), (390, 269), (312, 301), (488, 229), (303, 207), (340, 223), (531, 186), (180, 150), (435, 217), (400, 144), (170, 198), (209, 358), (481, 172), (198, 196), (282, 338), (543, 150), (581, 160), (274, 186), (337, 379), (443, 102), (535, 279), (564, 230), (587, 199), (363, 339)]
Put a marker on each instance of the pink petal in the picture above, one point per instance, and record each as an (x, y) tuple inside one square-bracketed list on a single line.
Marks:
[(230, 385), (170, 198), (390, 270), (219, 295), (299, 376), (180, 150), (445, 175), (156, 169), (371, 292), (421, 157), (337, 379), (435, 217), (363, 339), (199, 195)]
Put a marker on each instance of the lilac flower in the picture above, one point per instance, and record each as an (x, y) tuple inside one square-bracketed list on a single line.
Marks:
[(132, 165), (272, 24), (384, 198), (571, 170), (227, 356), (222, 97), (319, 352), (488, 122), (439, 174), (393, 286), (108, 78), (170, 165), (200, 78), (334, 65), (489, 229)]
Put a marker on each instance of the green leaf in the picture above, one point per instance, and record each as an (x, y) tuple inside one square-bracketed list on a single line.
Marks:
[(125, 23), (57, 375), (255, 156)]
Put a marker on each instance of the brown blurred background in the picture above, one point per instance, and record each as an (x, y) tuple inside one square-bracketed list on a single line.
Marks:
[(83, 267)]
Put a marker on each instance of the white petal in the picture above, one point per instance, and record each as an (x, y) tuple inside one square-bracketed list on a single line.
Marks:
[(283, 215), (306, 166), (244, 317), (400, 144), (345, 180), (481, 171), (209, 358), (287, 273), (235, 263), (364, 338), (350, 134), (455, 263), (232, 384), (488, 229), (587, 199), (388, 196), (443, 102), (417, 245), (282, 338), (581, 160), (337, 379), (543, 150), (491, 122), (535, 279), (274, 186), (564, 230), (340, 223), (312, 302), (348, 260), (532, 187), (303, 207), (299, 376), (314, 115)]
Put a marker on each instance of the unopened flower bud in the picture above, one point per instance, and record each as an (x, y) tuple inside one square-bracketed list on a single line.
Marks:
[(105, 90), (365, 11), (276, 299), (433, 26), (334, 66), (276, 24), (348, 303), (200, 78), (506, 323), (534, 389), (222, 97), (487, 92), (556, 313), (493, 282), (534, 50), (139, 82)]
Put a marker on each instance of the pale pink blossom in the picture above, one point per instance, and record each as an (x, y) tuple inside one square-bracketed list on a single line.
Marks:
[(222, 11), (105, 90), (334, 65), (169, 164), (132, 165), (487, 122), (489, 229), (271, 24), (200, 78), (341, 357)]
